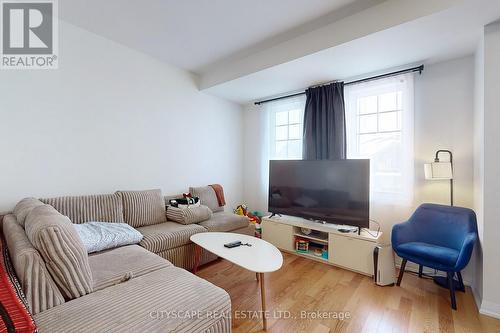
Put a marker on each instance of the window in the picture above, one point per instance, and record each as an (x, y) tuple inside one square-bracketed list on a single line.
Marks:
[(379, 122), (286, 126)]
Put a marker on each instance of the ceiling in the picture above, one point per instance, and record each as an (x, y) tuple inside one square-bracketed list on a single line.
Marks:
[(194, 34), (442, 36), (245, 50)]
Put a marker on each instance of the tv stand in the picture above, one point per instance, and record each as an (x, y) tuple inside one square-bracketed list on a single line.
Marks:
[(274, 214), (349, 250)]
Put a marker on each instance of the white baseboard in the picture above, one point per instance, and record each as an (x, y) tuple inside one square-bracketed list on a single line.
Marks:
[(477, 297), (490, 309), (485, 307)]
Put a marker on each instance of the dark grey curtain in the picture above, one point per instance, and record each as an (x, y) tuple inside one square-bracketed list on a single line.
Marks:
[(324, 123)]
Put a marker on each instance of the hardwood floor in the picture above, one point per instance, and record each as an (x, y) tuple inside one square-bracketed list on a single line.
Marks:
[(305, 285)]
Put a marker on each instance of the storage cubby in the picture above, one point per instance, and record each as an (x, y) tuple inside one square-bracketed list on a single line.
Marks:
[(317, 242), (348, 250)]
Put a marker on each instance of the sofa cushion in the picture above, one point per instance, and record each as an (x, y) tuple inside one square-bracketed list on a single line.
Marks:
[(223, 222), (55, 237), (121, 264), (86, 208), (164, 236), (38, 286), (143, 304), (207, 197), (189, 215), (24, 207), (142, 208)]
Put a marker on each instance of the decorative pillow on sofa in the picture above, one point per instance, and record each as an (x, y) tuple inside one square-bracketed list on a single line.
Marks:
[(98, 236), (141, 208), (65, 256), (207, 197), (189, 215), (24, 207)]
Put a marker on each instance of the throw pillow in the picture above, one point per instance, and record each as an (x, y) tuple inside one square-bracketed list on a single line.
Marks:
[(207, 197), (189, 215), (98, 236), (141, 208)]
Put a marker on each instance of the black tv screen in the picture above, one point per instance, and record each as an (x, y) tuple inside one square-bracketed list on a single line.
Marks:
[(334, 191)]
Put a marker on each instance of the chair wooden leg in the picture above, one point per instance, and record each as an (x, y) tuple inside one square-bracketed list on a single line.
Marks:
[(420, 269), (401, 272), (461, 286), (451, 286)]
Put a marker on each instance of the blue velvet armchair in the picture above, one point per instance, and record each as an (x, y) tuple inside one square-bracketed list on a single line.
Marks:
[(439, 237)]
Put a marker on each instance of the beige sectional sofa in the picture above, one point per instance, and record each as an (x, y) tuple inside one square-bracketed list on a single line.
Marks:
[(133, 288)]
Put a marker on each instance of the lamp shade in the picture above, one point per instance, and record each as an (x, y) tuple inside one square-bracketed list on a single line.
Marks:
[(438, 171)]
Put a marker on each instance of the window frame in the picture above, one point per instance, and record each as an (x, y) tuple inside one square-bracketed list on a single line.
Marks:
[(287, 105), (404, 110)]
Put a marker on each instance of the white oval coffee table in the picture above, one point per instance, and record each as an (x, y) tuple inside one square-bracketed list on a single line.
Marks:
[(262, 257)]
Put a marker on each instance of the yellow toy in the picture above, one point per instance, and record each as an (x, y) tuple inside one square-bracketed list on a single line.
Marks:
[(243, 211)]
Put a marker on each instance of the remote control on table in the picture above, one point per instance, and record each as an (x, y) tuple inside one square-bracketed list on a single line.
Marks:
[(233, 244)]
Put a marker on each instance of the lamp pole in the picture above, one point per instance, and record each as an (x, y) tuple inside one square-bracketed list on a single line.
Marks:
[(436, 159)]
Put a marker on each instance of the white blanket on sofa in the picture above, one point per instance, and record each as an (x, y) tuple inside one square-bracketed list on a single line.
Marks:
[(98, 236)]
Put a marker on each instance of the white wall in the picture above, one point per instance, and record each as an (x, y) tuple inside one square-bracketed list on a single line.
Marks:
[(255, 172), (491, 164), (479, 168), (444, 105), (112, 118)]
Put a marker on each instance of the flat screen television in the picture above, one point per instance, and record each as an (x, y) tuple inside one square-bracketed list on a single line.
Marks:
[(334, 191)]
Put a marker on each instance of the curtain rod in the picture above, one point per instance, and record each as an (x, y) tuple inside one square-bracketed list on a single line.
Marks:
[(418, 69)]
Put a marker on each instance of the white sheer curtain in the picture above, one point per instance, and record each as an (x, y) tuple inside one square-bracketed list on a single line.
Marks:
[(379, 123), (256, 157), (272, 131)]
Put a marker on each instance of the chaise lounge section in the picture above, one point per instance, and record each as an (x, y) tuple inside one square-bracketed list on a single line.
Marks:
[(169, 299)]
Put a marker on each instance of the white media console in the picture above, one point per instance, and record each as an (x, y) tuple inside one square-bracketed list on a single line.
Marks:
[(347, 250)]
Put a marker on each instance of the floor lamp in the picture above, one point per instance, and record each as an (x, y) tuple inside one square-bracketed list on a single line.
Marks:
[(438, 170)]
